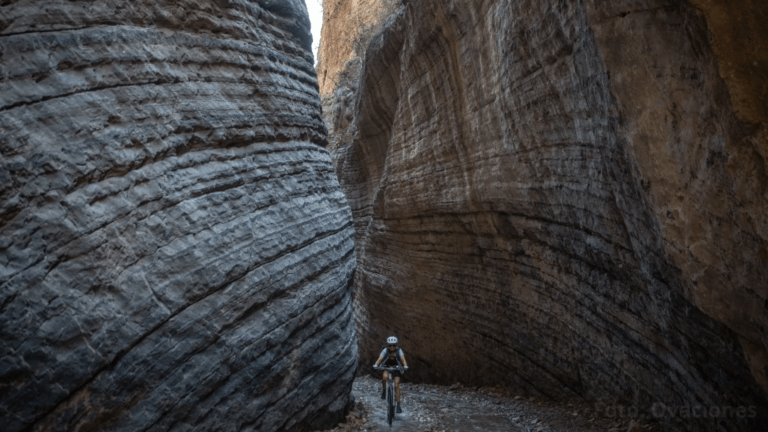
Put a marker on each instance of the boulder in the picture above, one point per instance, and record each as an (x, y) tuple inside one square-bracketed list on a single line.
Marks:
[(175, 249)]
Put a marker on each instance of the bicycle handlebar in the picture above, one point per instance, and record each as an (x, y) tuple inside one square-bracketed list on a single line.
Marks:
[(390, 369)]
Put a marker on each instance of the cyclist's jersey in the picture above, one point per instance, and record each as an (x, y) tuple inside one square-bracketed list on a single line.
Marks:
[(391, 359)]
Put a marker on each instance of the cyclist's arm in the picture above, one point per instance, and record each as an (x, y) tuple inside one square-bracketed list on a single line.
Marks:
[(402, 359), (378, 361)]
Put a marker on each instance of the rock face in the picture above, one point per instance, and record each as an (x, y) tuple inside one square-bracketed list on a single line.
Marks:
[(566, 198), (348, 26), (175, 250)]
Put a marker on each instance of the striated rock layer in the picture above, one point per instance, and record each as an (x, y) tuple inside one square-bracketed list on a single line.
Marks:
[(348, 26), (561, 197), (175, 250)]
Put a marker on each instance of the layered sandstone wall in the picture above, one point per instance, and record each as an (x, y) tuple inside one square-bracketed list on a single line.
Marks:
[(347, 27), (566, 198), (175, 250)]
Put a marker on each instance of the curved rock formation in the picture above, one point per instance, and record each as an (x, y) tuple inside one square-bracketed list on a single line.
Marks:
[(175, 250), (561, 197)]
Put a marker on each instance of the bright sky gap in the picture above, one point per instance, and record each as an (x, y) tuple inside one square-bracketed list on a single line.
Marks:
[(315, 8)]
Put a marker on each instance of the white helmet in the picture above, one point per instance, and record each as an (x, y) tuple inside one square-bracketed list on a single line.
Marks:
[(392, 340)]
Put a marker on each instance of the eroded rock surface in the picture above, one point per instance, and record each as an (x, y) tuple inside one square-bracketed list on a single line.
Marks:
[(175, 250), (347, 28), (561, 197)]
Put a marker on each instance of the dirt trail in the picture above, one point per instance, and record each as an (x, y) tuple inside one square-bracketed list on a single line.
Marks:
[(432, 408)]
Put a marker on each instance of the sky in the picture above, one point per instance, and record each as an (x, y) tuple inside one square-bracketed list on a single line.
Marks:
[(316, 17)]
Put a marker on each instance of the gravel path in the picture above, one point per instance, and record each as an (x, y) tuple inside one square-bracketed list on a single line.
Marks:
[(432, 408)]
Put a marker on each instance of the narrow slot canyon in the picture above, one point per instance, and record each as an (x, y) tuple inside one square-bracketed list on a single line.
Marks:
[(559, 207)]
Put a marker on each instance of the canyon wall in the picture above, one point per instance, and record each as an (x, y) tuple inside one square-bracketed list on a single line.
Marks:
[(175, 250), (348, 26), (568, 198)]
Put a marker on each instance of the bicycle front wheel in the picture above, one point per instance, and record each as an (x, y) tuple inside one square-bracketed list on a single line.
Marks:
[(390, 404)]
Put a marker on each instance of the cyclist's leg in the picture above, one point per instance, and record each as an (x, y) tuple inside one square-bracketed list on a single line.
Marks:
[(384, 381), (397, 389)]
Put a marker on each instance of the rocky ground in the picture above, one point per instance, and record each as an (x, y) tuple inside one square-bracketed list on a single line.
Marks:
[(433, 408)]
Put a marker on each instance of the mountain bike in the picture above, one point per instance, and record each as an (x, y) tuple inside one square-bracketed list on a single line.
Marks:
[(390, 392)]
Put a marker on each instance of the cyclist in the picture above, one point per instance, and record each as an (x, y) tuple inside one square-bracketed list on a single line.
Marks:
[(392, 355)]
